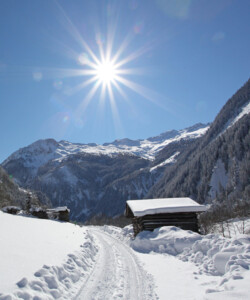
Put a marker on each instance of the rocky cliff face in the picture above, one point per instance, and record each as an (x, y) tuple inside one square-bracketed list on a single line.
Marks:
[(92, 179)]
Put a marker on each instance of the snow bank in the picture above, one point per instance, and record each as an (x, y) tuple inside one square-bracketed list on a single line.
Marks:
[(43, 259), (171, 240), (212, 254), (228, 258), (215, 255)]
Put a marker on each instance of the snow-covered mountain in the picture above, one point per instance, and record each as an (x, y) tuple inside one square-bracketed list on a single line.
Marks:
[(42, 151), (91, 178), (217, 167), (203, 162)]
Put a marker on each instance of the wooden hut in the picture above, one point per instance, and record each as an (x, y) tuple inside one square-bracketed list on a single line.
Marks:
[(14, 210), (59, 213), (149, 214), (39, 212)]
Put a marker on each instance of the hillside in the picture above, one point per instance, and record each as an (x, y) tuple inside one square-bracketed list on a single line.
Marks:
[(97, 179), (216, 168), (12, 195)]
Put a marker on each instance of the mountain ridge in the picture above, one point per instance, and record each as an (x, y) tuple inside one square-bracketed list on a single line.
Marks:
[(210, 164), (50, 145), (89, 179)]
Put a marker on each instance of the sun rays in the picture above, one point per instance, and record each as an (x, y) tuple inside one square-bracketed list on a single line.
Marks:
[(104, 70)]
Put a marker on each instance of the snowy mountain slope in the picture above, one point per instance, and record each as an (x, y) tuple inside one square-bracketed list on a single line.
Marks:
[(42, 151), (150, 147), (232, 112), (245, 110), (217, 166), (92, 179)]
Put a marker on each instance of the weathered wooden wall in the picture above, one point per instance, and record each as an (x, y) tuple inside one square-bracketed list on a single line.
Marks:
[(187, 221)]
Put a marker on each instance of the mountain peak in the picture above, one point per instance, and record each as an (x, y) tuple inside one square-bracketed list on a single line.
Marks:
[(171, 134)]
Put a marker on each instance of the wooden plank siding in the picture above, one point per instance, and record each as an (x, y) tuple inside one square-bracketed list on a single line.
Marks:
[(187, 221)]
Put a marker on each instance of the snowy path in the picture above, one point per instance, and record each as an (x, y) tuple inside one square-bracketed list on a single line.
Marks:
[(117, 273), (43, 259)]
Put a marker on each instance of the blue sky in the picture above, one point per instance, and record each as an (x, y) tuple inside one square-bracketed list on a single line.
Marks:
[(181, 60)]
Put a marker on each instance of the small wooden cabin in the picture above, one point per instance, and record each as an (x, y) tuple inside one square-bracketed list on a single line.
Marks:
[(59, 213), (149, 214)]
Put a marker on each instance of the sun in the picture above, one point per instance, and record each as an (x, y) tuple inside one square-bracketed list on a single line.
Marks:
[(106, 72), (106, 69)]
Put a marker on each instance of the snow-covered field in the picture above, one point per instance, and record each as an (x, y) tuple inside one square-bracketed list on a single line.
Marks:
[(43, 259)]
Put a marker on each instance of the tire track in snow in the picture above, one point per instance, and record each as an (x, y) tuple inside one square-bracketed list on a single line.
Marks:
[(117, 273)]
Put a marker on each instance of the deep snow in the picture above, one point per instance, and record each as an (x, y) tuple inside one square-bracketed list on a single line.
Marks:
[(43, 259), (164, 205), (219, 264)]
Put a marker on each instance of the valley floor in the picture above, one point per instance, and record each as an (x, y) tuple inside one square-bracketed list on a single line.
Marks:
[(42, 259)]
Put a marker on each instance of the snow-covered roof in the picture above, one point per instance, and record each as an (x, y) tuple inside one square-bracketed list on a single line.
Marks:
[(59, 209), (164, 205)]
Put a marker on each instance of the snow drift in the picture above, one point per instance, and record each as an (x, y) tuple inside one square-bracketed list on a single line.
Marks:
[(213, 254), (43, 259)]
